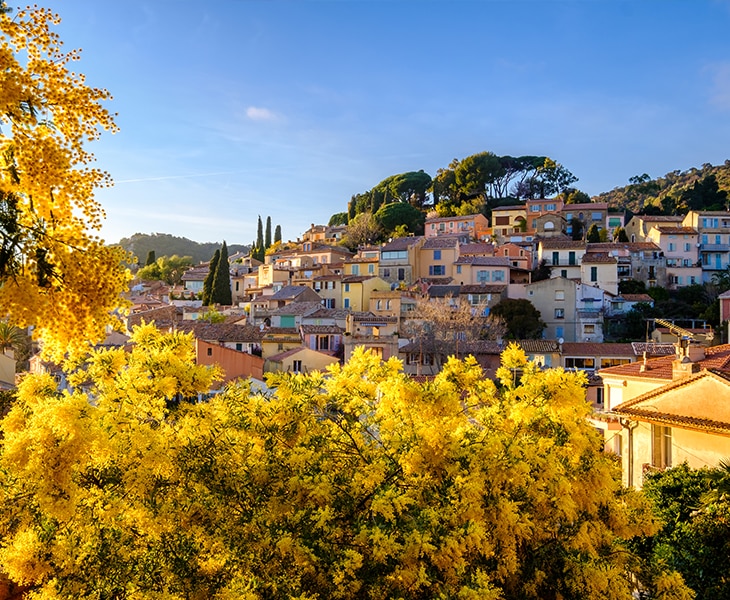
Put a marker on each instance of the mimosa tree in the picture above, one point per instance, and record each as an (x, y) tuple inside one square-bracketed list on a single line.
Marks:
[(55, 273)]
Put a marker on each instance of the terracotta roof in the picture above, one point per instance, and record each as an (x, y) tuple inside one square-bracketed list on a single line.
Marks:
[(460, 218), (475, 347), (598, 258), (329, 313), (482, 248), (482, 288), (357, 278), (484, 261), (558, 243), (297, 308), (684, 230), (321, 329), (585, 206), (661, 218), (402, 243), (653, 349), (689, 403), (289, 292), (597, 349), (221, 332), (441, 291), (539, 346), (630, 246), (282, 355), (716, 358), (441, 241), (163, 317)]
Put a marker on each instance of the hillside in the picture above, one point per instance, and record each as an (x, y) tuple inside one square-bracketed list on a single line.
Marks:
[(165, 244), (669, 193)]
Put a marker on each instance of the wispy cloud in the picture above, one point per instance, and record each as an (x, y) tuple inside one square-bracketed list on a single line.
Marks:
[(256, 113), (720, 90)]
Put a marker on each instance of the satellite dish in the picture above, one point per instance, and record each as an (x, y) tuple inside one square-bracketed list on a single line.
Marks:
[(561, 340)]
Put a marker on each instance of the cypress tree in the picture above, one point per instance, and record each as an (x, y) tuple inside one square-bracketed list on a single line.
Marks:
[(277, 234), (267, 241), (151, 258), (209, 278), (260, 235), (221, 291), (593, 236)]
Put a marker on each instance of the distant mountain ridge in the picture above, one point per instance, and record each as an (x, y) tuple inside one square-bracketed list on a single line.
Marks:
[(165, 244)]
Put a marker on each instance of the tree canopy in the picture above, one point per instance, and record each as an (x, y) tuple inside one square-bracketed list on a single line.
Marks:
[(522, 318), (54, 272), (361, 484)]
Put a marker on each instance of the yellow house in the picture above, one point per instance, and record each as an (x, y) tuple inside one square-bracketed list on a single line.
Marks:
[(356, 290), (669, 410), (299, 360)]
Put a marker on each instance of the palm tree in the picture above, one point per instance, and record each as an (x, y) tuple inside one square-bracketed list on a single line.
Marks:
[(11, 338)]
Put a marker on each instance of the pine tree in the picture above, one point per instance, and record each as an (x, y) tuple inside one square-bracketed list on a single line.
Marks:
[(277, 234), (267, 241), (210, 277), (221, 291), (151, 258)]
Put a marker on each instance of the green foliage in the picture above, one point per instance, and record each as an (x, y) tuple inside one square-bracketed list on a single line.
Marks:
[(260, 235), (593, 235), (390, 216), (141, 244), (522, 318), (358, 484), (338, 219), (151, 258), (267, 238), (221, 287), (169, 269), (620, 235), (631, 286), (212, 316), (210, 278), (277, 234), (696, 531)]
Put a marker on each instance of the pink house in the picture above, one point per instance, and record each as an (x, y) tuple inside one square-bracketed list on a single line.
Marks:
[(475, 226)]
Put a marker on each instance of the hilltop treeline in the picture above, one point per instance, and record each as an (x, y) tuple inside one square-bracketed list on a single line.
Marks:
[(164, 244)]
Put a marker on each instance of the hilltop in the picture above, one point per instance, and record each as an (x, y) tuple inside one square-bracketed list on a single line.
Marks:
[(164, 244)]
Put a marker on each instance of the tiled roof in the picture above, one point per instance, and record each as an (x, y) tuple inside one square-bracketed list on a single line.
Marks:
[(357, 278), (221, 332), (447, 219), (321, 329), (482, 288), (441, 291), (661, 218), (630, 246), (289, 292), (282, 355), (482, 248), (716, 358), (484, 261), (297, 308), (684, 230), (539, 346), (596, 349), (475, 347), (585, 206), (163, 317), (440, 242), (593, 258), (558, 243), (402, 243), (687, 403), (329, 313)]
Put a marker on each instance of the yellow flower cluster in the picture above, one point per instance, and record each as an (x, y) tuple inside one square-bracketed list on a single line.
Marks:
[(56, 274)]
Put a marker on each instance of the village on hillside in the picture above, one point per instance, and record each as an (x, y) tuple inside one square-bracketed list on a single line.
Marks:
[(310, 303)]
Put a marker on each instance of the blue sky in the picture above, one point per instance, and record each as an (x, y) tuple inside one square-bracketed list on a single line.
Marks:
[(233, 109)]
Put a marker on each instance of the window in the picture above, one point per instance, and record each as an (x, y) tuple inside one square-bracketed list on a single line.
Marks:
[(550, 207), (297, 366), (571, 258), (328, 302), (672, 246), (704, 238), (717, 239), (355, 269), (580, 363), (589, 329), (568, 217), (395, 255), (564, 273), (560, 294), (387, 305), (237, 284), (596, 216), (347, 287), (346, 303), (594, 273), (239, 346), (436, 270), (437, 254), (482, 276), (687, 246), (661, 446), (386, 273), (210, 351), (501, 220), (614, 362), (458, 269), (535, 208), (401, 274), (497, 275), (323, 342), (559, 313), (556, 258), (371, 269), (379, 305)]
